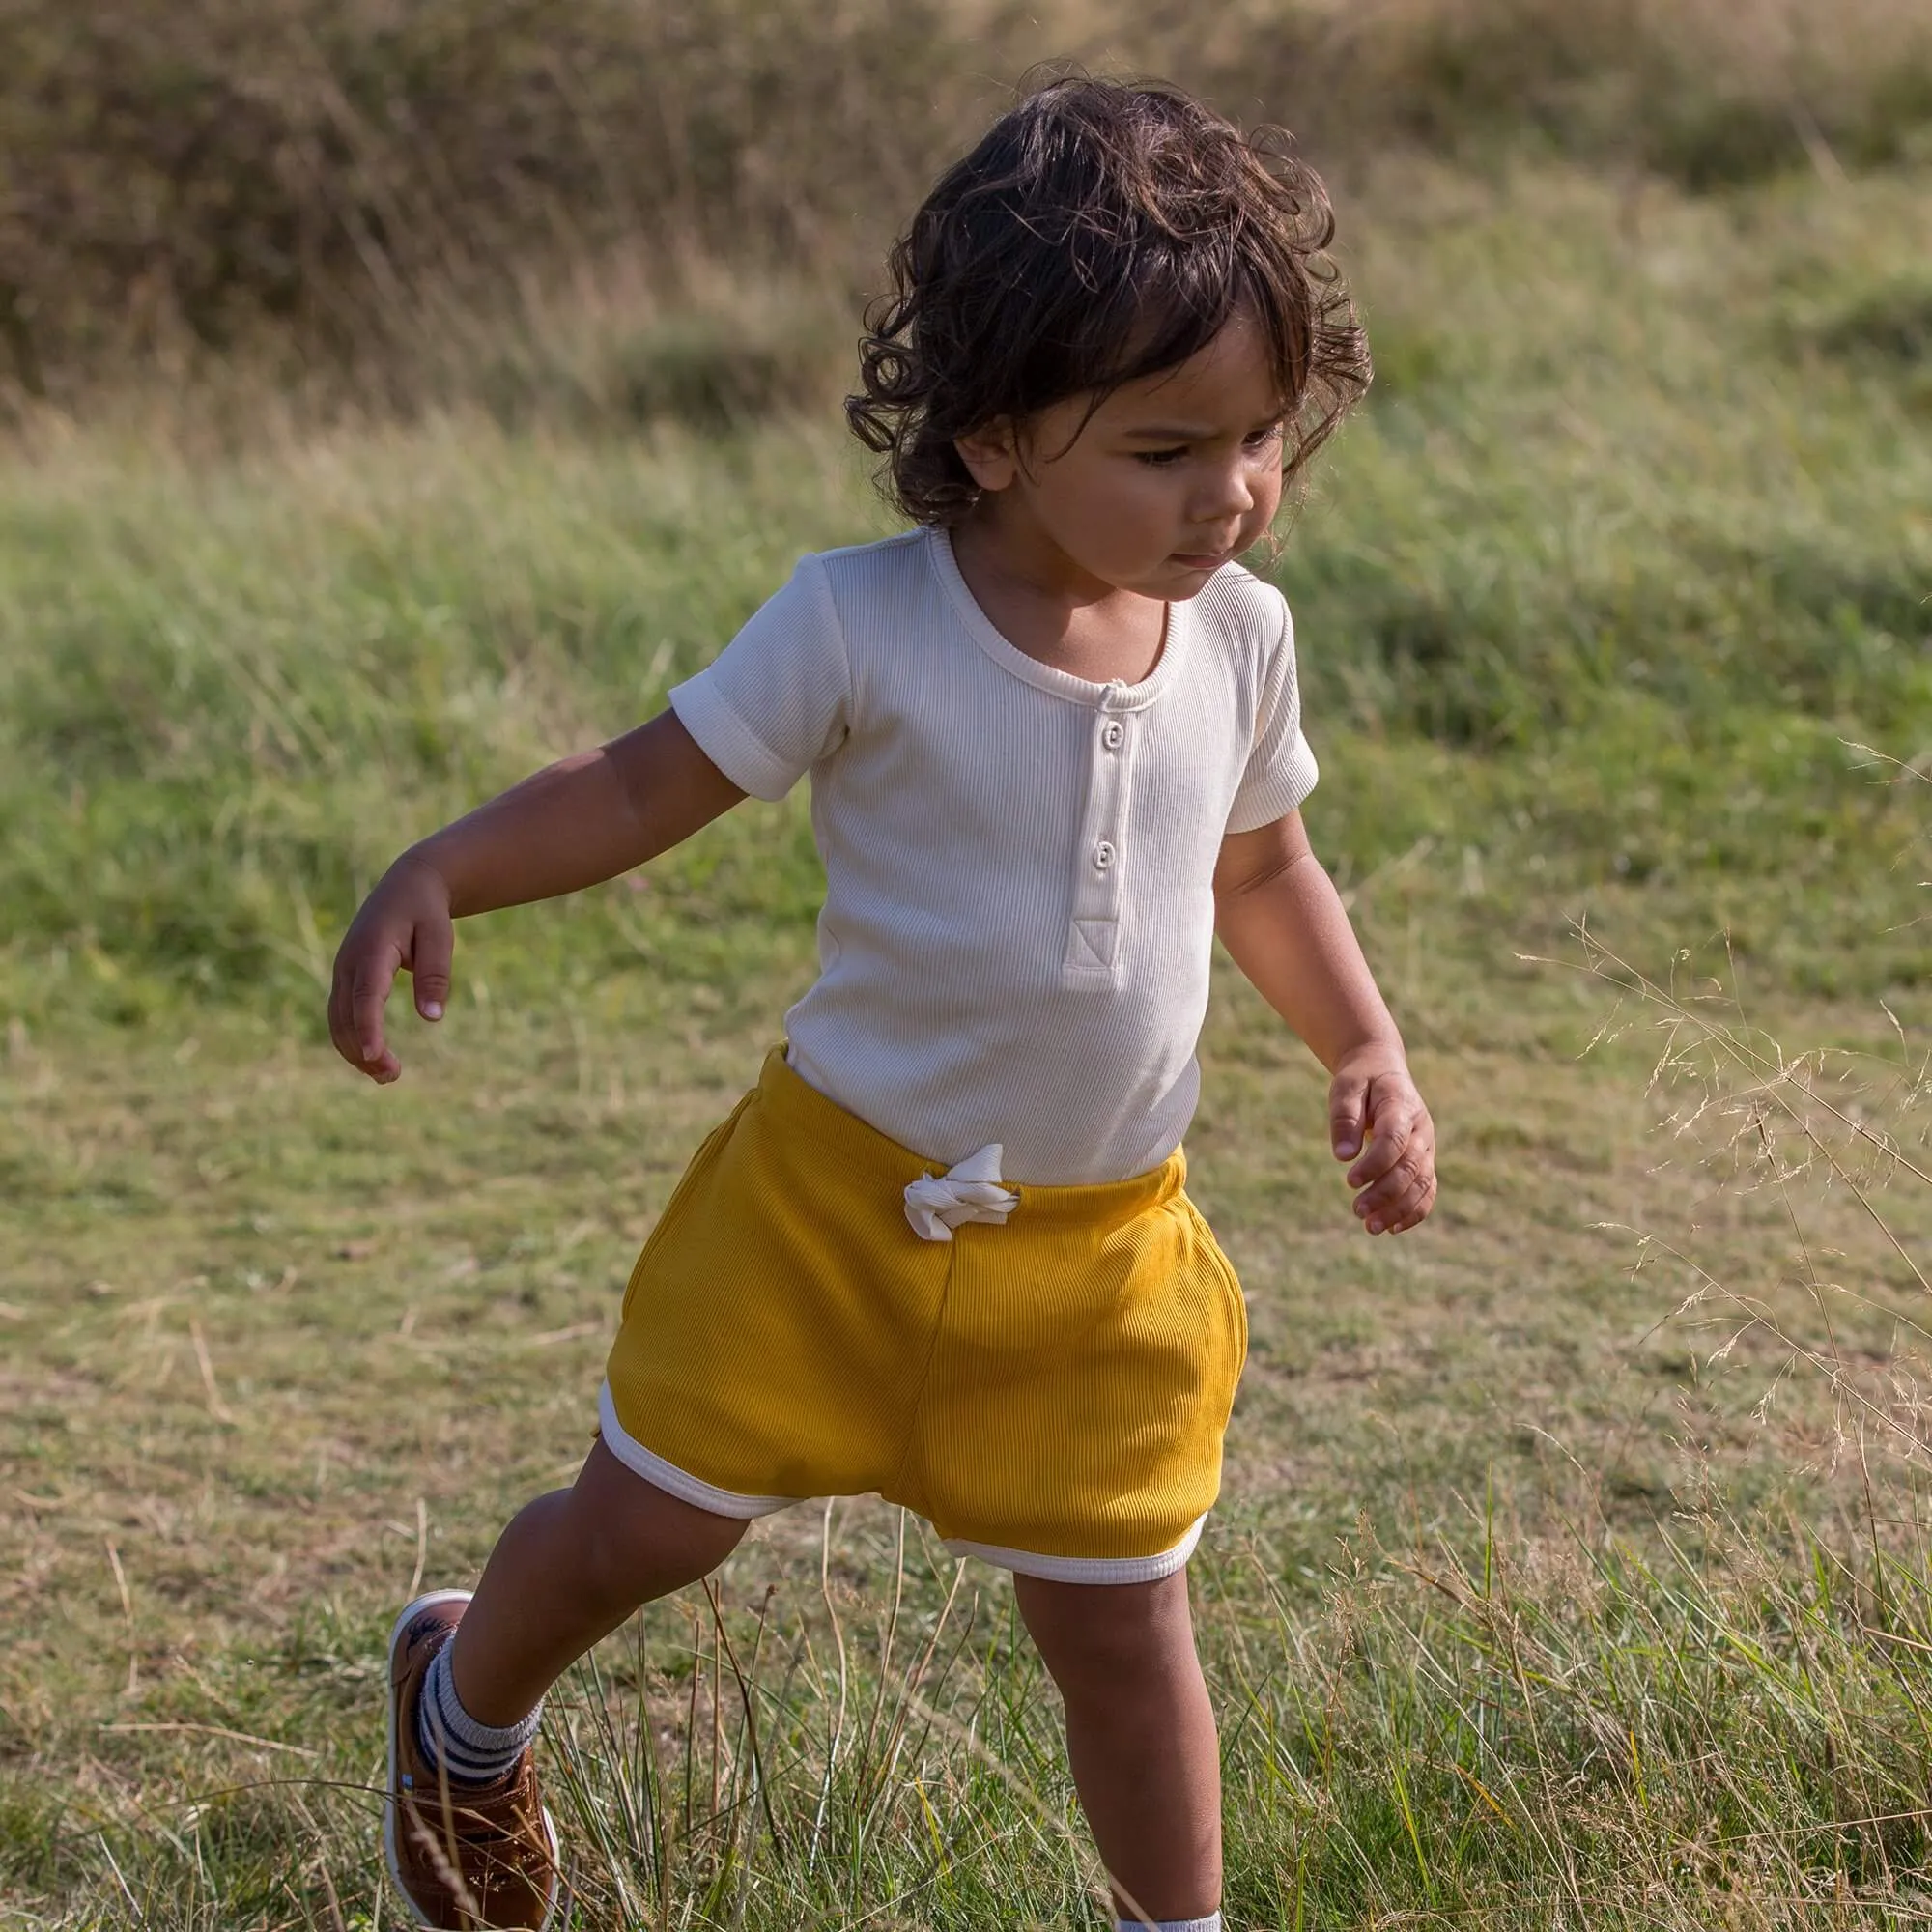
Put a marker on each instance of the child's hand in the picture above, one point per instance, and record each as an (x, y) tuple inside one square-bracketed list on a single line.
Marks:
[(1372, 1099), (404, 925)]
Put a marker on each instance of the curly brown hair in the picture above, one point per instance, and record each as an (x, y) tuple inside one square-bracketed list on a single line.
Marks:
[(1100, 232)]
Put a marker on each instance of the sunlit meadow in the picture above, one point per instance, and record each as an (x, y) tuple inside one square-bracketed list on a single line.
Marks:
[(1571, 1566)]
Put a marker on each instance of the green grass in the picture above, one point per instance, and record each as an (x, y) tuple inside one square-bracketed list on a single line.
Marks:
[(1566, 1574), (1597, 589), (1501, 1543)]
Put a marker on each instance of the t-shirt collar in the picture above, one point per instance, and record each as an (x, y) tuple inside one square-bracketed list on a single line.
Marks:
[(1114, 696)]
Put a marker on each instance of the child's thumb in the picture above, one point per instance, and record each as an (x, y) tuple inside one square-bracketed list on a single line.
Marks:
[(429, 958), (1346, 1096)]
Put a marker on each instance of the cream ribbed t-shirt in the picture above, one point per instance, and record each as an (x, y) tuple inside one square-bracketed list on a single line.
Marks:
[(1019, 906)]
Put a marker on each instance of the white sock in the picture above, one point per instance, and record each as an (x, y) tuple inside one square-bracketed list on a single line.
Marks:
[(1212, 1923), (448, 1734)]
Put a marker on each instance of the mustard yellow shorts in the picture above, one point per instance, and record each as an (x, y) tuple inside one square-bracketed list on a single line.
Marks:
[(1050, 1393)]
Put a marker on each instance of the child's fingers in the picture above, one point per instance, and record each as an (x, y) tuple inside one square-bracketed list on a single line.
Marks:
[(339, 1033), (1348, 1095), (384, 1067), (342, 1016), (1392, 1128), (1401, 1199), (368, 994), (1402, 1188), (1411, 1210), (1396, 1174), (432, 950), (1406, 1178)]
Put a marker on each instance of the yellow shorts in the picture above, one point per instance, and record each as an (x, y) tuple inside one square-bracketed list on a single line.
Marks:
[(1050, 1393)]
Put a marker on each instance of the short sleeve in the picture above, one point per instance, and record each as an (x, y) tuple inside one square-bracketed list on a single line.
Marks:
[(1281, 769), (777, 698)]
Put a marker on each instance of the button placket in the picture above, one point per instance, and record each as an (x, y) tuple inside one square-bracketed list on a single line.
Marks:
[(1093, 944)]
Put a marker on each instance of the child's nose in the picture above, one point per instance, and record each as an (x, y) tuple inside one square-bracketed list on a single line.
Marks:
[(1228, 492)]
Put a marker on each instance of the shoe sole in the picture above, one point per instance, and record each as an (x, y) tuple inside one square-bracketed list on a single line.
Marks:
[(409, 1610)]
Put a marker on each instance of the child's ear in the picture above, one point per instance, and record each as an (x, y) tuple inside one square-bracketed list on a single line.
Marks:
[(991, 453)]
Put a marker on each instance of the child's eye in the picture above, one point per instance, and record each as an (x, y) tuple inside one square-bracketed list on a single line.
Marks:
[(1260, 438), (1161, 459)]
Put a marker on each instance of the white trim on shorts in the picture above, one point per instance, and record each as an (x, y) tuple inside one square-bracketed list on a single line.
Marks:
[(677, 1481), (701, 1494), (1084, 1569)]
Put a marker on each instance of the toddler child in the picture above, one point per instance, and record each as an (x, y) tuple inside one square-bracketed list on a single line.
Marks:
[(942, 1251)]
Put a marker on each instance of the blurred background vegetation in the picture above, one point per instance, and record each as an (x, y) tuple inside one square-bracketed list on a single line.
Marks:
[(339, 172), (376, 371)]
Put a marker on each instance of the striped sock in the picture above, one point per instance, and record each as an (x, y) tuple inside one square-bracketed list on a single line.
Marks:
[(1212, 1923), (446, 1734)]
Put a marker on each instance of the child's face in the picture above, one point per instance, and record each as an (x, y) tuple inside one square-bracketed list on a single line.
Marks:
[(1171, 477)]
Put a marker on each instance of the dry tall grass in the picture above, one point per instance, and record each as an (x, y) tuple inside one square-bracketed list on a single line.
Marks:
[(318, 173)]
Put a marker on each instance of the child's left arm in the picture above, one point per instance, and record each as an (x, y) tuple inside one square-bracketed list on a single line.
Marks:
[(1279, 915)]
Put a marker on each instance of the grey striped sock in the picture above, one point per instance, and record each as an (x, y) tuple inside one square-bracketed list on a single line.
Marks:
[(447, 1735)]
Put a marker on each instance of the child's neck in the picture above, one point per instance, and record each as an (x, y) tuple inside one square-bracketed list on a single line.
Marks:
[(1045, 606)]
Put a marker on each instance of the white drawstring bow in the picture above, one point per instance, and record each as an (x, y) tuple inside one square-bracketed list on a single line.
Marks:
[(937, 1204)]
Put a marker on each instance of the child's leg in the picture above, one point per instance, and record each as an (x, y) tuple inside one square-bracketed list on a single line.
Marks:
[(568, 1570), (1140, 1734)]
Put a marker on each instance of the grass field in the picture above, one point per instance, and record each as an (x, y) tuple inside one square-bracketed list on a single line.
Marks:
[(1570, 1567)]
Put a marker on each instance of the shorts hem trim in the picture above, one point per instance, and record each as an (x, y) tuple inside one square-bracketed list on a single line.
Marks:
[(674, 1480), (1084, 1569)]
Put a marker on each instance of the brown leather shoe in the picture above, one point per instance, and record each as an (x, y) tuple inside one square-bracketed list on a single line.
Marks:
[(464, 1856)]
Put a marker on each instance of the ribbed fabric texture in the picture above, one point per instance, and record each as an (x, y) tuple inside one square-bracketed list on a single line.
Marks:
[(1212, 1923), (1053, 1389), (1019, 908), (446, 1734)]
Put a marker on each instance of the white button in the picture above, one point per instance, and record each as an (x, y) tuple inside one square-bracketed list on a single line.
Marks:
[(1111, 735), (1103, 855)]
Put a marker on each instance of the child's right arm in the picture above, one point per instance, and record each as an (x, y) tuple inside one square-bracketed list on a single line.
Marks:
[(585, 819)]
